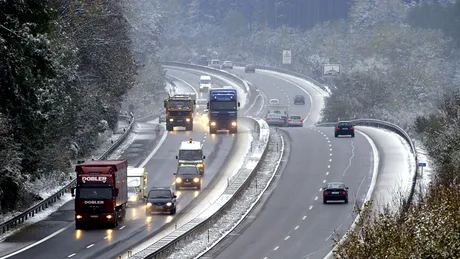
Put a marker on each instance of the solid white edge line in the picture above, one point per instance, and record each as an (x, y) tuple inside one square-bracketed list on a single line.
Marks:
[(163, 138), (185, 82), (36, 243), (375, 174), (250, 208)]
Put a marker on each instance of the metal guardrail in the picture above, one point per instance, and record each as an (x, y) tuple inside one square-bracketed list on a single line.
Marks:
[(43, 205), (166, 245), (395, 128)]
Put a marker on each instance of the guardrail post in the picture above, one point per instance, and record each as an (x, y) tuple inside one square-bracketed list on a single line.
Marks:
[(208, 235)]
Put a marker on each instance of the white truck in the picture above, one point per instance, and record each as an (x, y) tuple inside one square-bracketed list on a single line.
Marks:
[(137, 184), (191, 153), (205, 84), (215, 63)]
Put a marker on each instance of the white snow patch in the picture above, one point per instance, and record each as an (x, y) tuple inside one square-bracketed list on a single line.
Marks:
[(192, 247), (39, 216), (424, 179)]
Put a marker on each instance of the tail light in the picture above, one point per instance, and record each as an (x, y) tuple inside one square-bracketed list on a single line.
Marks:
[(352, 128), (336, 128), (326, 193), (290, 120), (300, 120), (344, 193), (268, 119), (281, 119)]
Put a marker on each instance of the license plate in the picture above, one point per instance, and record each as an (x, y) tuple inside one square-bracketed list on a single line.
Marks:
[(345, 128), (180, 120), (188, 183), (335, 193), (158, 206), (94, 216)]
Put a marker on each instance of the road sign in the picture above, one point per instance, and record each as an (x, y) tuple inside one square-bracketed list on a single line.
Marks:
[(422, 164), (287, 57), (331, 69)]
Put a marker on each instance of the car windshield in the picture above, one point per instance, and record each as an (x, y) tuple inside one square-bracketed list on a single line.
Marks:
[(205, 81), (295, 117), (345, 124), (336, 186), (227, 63), (216, 106), (299, 97), (160, 194), (250, 66), (274, 115), (190, 155), (87, 193), (179, 104), (186, 170)]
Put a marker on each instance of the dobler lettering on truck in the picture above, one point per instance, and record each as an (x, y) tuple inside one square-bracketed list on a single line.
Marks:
[(101, 179)]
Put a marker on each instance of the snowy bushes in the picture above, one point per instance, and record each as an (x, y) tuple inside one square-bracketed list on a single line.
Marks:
[(64, 68), (430, 229)]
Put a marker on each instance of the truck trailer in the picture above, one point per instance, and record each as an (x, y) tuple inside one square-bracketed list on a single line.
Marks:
[(223, 110), (101, 193)]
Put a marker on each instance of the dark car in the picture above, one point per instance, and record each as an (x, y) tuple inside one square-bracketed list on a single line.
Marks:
[(335, 191), (344, 128), (299, 99), (161, 199), (188, 176), (249, 68)]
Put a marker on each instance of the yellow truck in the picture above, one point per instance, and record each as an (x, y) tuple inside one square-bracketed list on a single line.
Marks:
[(179, 112)]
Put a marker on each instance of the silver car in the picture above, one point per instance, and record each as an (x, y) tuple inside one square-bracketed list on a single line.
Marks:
[(275, 119), (295, 121)]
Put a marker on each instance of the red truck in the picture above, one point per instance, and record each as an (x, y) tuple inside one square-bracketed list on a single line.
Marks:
[(101, 192)]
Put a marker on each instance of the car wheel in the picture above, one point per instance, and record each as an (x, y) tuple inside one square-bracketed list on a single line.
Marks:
[(353, 135), (346, 201), (336, 135), (324, 201), (173, 211)]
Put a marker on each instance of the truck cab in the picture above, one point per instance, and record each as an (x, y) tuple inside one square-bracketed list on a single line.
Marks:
[(191, 153), (205, 84), (223, 107), (137, 184), (179, 112)]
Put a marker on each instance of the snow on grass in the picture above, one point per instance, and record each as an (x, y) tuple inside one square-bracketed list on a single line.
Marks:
[(39, 216), (226, 222), (425, 177)]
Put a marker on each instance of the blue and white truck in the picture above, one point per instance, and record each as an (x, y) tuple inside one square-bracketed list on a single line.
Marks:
[(223, 110)]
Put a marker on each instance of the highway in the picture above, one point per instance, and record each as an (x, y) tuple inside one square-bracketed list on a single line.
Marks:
[(56, 237), (294, 223)]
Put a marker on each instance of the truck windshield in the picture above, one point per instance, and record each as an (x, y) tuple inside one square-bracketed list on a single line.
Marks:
[(87, 193), (205, 81), (159, 194), (179, 104), (190, 155), (222, 106)]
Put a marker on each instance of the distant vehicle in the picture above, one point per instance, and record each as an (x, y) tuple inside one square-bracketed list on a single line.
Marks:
[(162, 117), (188, 176), (215, 63), (335, 191), (205, 84), (202, 60), (137, 184), (280, 109), (201, 105), (344, 128), (227, 64), (249, 68), (101, 193), (274, 101), (275, 119), (299, 99), (295, 121), (161, 199)]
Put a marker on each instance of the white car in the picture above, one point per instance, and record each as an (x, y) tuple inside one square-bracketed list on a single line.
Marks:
[(274, 101)]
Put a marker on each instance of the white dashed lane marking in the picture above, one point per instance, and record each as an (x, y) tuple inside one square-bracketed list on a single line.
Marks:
[(122, 227), (296, 227), (316, 198), (90, 246), (276, 248), (311, 207), (304, 217), (72, 255), (286, 238)]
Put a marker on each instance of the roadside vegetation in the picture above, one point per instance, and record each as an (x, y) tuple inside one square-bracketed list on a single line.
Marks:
[(65, 70), (400, 62)]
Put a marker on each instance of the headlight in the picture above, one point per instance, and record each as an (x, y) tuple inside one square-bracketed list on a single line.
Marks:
[(199, 165), (169, 204), (79, 217), (171, 119), (178, 180), (187, 120), (133, 198), (196, 179), (109, 216), (234, 123), (213, 123), (149, 204)]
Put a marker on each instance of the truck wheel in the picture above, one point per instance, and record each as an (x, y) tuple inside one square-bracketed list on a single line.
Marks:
[(234, 130), (173, 211), (189, 127), (198, 187), (212, 131), (169, 127)]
